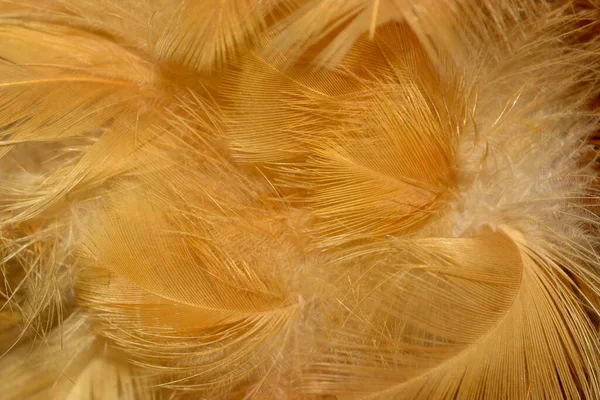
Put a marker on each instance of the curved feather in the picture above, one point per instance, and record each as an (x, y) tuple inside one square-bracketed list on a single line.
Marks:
[(446, 318), (213, 308)]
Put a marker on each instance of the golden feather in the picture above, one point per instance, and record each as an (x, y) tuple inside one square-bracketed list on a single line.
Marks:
[(290, 199)]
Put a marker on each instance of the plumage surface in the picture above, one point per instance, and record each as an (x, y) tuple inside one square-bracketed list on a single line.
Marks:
[(299, 199)]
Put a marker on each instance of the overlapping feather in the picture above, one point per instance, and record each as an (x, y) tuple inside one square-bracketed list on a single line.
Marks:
[(302, 200)]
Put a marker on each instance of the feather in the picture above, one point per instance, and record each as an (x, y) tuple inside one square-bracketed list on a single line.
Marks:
[(338, 24), (139, 24), (49, 71), (241, 288), (290, 199), (70, 365), (400, 311), (204, 35)]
